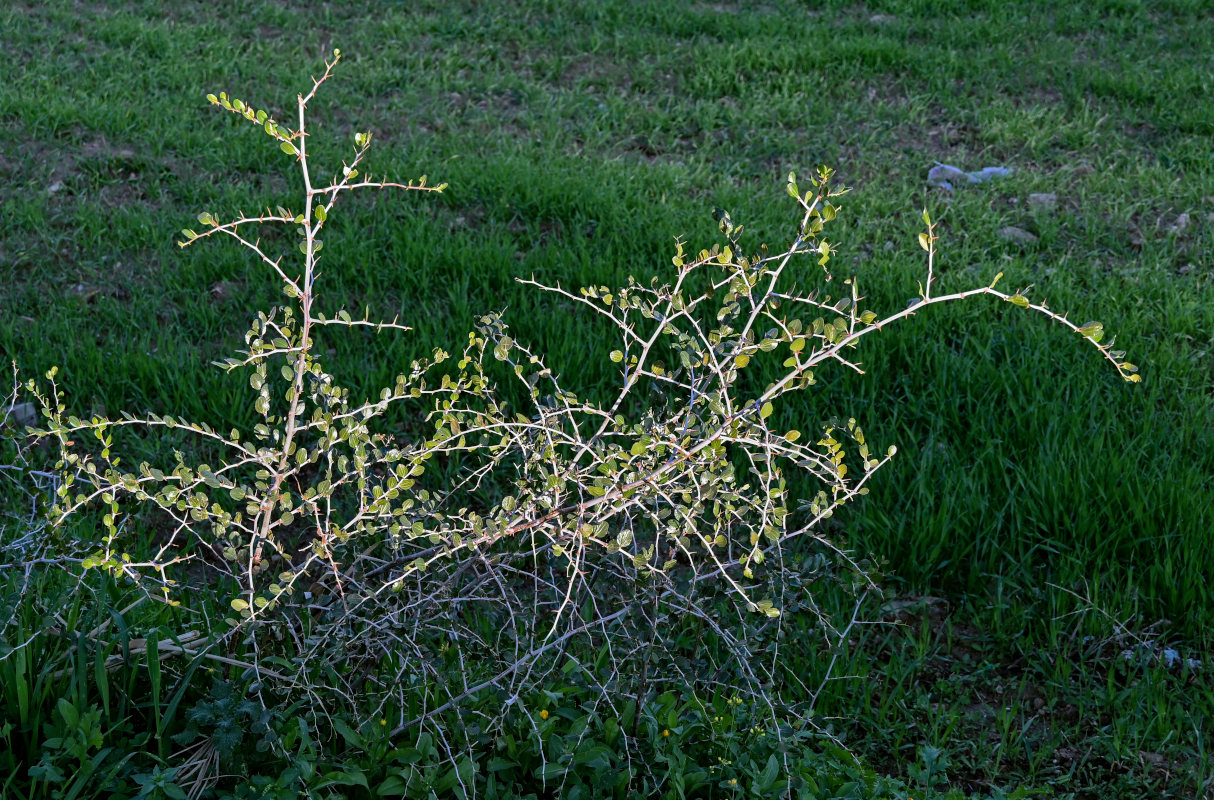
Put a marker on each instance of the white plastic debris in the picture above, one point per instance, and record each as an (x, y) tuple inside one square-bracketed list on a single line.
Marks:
[(943, 175), (1171, 658)]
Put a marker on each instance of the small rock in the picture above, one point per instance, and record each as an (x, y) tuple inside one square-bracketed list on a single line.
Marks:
[(55, 187), (882, 19), (1181, 223), (85, 292), (22, 415), (1019, 235), (1154, 759), (1046, 201), (220, 291)]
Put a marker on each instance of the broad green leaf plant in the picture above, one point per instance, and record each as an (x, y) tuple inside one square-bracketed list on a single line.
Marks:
[(361, 574)]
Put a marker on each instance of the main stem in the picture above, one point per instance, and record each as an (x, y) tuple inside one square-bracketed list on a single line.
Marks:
[(301, 361)]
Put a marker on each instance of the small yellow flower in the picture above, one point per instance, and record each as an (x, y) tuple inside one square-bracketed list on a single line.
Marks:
[(733, 781), (383, 722), (665, 731), (544, 714)]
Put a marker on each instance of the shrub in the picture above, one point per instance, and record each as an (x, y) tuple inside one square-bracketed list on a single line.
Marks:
[(455, 584)]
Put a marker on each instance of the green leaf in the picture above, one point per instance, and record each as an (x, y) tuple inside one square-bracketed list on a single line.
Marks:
[(239, 605), (765, 411), (1092, 330), (926, 219), (617, 356), (392, 786), (320, 213), (289, 149), (68, 711), (769, 775), (741, 361), (350, 776), (1019, 300), (924, 243)]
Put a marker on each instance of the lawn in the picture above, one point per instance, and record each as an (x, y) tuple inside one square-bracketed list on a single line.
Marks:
[(1042, 519)]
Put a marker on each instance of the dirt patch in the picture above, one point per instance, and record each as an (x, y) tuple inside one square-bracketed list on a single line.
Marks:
[(595, 71)]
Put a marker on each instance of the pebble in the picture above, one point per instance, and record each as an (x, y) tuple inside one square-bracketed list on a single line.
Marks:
[(1046, 201), (1019, 235)]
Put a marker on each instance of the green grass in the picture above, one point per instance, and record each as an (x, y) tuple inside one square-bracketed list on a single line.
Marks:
[(579, 140)]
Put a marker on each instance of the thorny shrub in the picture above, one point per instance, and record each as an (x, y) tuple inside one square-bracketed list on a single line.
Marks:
[(383, 576)]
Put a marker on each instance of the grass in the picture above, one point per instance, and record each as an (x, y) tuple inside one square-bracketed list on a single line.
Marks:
[(1033, 492)]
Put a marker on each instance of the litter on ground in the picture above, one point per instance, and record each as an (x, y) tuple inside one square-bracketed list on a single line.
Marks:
[(943, 175)]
